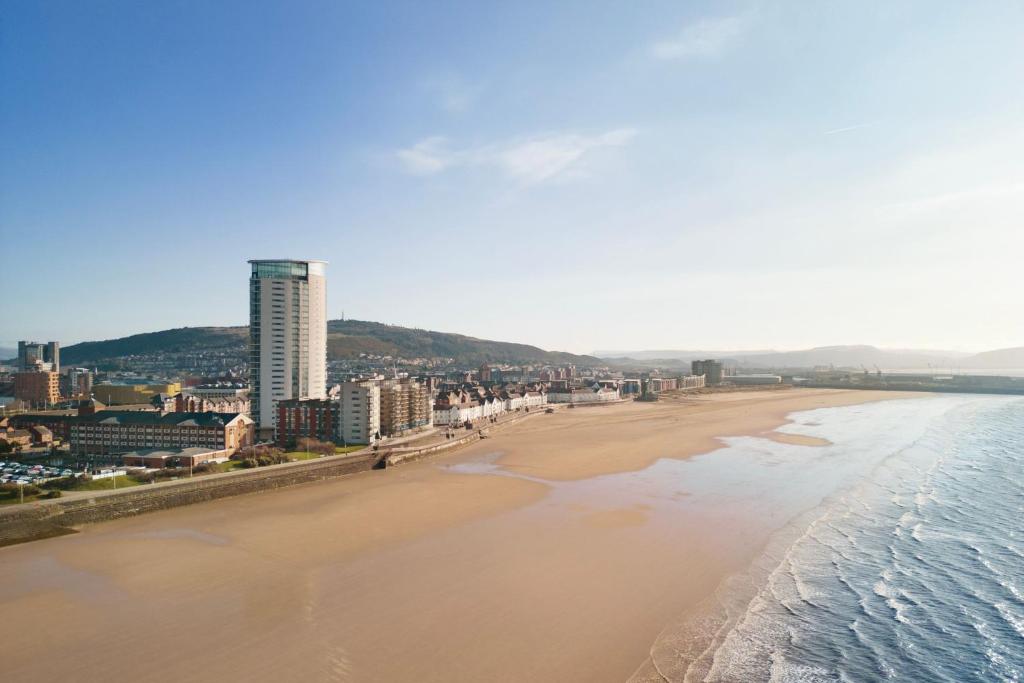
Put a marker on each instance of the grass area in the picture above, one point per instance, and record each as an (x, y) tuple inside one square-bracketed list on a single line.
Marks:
[(338, 450), (103, 484), (12, 496), (301, 455), (13, 499)]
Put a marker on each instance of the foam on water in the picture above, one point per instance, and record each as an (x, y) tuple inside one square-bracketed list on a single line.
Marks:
[(910, 573)]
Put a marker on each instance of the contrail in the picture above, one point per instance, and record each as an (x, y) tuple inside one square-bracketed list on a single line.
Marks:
[(848, 128)]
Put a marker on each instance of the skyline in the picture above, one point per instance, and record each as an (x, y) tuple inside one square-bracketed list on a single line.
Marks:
[(715, 176)]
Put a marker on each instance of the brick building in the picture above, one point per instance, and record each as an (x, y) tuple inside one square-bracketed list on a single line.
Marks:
[(38, 389), (314, 418), (112, 431)]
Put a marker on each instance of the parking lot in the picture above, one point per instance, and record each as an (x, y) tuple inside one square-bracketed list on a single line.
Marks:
[(18, 473)]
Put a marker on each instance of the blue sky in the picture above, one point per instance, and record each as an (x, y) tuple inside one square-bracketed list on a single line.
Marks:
[(580, 176)]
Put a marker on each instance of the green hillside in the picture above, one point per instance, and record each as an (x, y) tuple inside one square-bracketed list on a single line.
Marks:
[(178, 340), (346, 339)]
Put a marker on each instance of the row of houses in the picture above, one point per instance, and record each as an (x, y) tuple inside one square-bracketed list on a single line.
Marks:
[(456, 406), (596, 393), (187, 402)]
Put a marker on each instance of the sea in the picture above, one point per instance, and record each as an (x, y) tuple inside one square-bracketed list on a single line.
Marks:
[(910, 567)]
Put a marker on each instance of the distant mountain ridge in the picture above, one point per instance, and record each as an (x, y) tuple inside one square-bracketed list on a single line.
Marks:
[(346, 339), (854, 356)]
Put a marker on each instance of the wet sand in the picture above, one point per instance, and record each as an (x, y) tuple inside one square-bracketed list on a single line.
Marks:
[(547, 552)]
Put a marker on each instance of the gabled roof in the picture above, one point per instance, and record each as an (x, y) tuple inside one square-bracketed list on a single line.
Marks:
[(116, 417)]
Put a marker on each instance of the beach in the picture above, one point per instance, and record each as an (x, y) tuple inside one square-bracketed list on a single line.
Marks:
[(554, 550)]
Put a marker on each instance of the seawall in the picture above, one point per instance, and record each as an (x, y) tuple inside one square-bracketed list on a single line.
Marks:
[(33, 521), (43, 519)]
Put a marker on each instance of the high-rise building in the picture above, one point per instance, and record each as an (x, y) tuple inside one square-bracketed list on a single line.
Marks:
[(287, 335), (711, 369), (31, 353)]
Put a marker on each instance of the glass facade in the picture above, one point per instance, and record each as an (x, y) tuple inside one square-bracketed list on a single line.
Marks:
[(279, 269)]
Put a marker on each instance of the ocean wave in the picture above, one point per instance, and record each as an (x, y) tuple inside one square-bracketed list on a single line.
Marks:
[(883, 590), (844, 595)]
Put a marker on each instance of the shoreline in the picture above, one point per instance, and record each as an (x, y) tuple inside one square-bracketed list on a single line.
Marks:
[(503, 559)]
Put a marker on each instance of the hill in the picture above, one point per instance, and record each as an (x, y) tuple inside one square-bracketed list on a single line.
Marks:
[(182, 339), (346, 339), (999, 359), (855, 356)]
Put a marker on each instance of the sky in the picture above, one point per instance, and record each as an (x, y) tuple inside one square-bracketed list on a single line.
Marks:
[(575, 175)]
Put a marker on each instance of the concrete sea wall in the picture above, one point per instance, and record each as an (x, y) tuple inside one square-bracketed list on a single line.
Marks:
[(33, 521), (43, 519)]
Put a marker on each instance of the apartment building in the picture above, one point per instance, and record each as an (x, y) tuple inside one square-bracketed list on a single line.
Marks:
[(287, 335), (360, 412), (109, 432), (350, 417), (405, 404), (312, 418), (38, 389)]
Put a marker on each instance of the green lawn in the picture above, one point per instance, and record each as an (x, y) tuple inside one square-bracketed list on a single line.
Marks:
[(123, 482), (13, 498), (301, 455), (338, 450)]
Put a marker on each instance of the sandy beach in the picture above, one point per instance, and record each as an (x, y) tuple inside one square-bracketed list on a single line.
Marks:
[(548, 552)]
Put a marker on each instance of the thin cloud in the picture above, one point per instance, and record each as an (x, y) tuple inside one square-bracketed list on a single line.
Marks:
[(847, 129), (529, 160), (451, 92), (706, 38), (427, 156)]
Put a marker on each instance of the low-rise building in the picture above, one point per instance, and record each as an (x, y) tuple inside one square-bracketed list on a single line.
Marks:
[(583, 395), (110, 431), (188, 402), (122, 394), (458, 413), (159, 458), (755, 379)]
